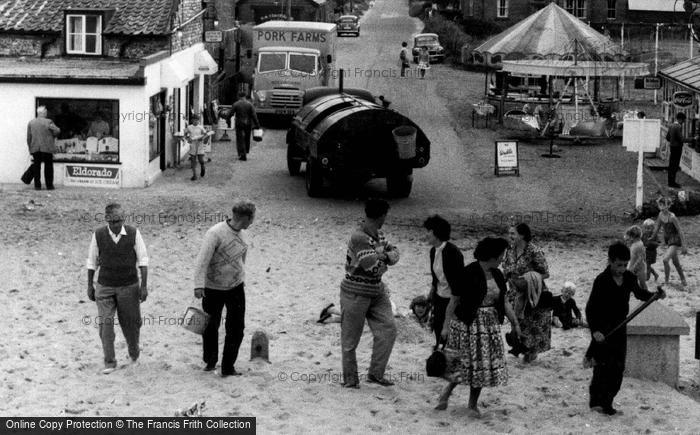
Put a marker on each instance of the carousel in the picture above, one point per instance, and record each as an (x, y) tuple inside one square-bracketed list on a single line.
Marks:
[(551, 74)]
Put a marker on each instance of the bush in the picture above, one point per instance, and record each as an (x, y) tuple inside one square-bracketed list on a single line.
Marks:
[(416, 8), (452, 37), (480, 29)]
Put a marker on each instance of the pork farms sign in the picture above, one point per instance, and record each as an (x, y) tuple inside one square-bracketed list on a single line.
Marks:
[(682, 99), (92, 176)]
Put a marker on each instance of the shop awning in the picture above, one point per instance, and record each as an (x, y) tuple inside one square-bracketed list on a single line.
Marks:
[(567, 68), (205, 64), (656, 5), (686, 73), (172, 74)]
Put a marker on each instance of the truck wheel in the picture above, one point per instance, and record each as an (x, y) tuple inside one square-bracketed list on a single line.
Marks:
[(293, 163), (314, 178), (399, 185)]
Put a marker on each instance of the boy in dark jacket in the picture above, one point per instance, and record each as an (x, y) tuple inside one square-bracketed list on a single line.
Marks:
[(608, 307)]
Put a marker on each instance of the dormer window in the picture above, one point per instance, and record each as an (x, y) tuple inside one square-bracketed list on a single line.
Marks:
[(84, 34)]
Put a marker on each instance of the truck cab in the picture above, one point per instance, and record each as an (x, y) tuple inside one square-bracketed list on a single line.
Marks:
[(291, 56)]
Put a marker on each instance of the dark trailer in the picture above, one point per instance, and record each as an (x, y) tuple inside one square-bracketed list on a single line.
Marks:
[(348, 140)]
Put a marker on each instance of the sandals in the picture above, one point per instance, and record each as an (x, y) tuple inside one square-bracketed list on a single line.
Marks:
[(325, 315)]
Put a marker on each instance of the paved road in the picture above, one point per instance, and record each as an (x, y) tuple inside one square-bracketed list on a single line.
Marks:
[(371, 62)]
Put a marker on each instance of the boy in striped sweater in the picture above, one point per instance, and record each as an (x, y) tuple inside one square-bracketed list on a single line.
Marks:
[(363, 296)]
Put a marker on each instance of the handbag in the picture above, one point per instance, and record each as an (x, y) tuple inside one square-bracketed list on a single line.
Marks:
[(436, 364), (257, 134), (28, 175), (195, 319)]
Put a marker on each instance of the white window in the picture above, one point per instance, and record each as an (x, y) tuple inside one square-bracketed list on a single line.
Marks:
[(83, 34), (576, 8), (502, 8), (470, 11), (612, 10)]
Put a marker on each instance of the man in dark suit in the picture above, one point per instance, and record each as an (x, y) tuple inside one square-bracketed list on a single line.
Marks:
[(446, 266), (246, 120), (41, 140)]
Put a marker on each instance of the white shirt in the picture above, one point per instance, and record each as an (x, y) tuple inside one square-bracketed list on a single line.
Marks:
[(139, 247), (443, 288)]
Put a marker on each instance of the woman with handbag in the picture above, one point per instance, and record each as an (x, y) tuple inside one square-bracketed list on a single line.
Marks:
[(521, 258), (472, 326)]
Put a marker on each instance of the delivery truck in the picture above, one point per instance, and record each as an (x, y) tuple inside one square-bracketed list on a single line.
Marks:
[(290, 57)]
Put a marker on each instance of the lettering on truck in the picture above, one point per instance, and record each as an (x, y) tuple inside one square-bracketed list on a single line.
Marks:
[(281, 36)]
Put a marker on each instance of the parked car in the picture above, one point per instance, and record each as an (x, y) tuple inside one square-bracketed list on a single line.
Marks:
[(348, 24), (430, 40)]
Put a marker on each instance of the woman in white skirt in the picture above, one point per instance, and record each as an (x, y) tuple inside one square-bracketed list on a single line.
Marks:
[(423, 61), (472, 326)]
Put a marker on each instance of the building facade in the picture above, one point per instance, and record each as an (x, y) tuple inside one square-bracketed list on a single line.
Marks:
[(120, 78), (259, 11), (595, 11)]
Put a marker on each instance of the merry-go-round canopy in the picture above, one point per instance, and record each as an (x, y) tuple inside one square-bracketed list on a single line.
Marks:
[(550, 33), (569, 68)]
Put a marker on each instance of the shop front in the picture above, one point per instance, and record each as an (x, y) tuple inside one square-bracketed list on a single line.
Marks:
[(119, 120), (681, 93)]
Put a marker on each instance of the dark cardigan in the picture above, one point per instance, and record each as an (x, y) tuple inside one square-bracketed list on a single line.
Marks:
[(452, 266), (473, 290)]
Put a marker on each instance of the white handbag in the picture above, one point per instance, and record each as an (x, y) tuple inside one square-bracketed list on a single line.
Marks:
[(257, 134)]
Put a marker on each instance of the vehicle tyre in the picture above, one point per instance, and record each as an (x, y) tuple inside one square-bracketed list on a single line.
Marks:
[(314, 178), (399, 185), (293, 162)]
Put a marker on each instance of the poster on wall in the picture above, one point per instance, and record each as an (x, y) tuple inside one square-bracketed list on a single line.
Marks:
[(92, 176), (507, 158)]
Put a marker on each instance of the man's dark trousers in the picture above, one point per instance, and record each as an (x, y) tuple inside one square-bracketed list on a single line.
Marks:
[(674, 162), (608, 370), (243, 139), (47, 159), (213, 304)]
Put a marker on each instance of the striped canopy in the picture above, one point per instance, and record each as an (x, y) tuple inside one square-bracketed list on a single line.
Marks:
[(551, 33)]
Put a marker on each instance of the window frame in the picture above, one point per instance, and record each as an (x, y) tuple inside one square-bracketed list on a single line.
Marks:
[(502, 8), (612, 9), (83, 33)]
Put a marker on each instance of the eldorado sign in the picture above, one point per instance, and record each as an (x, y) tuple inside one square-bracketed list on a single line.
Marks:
[(94, 176)]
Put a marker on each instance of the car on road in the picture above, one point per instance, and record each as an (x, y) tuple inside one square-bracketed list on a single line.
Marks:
[(430, 40), (348, 24)]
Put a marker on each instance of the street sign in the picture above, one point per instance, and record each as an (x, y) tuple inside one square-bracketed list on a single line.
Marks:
[(507, 158), (652, 82), (213, 36)]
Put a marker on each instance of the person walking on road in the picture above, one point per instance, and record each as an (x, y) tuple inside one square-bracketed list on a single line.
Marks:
[(117, 250), (246, 120), (403, 58), (219, 279), (363, 295), (41, 140)]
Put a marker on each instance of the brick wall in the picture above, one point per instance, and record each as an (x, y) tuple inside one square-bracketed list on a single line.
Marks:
[(192, 32)]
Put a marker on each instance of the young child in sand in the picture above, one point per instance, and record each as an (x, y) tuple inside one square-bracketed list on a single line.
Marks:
[(331, 314), (650, 244), (637, 264), (565, 313)]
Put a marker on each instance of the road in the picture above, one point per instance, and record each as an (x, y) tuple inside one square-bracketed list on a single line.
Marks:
[(371, 62)]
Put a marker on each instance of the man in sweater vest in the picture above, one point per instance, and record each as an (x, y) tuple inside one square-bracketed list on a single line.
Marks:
[(117, 249), (219, 278), (363, 296)]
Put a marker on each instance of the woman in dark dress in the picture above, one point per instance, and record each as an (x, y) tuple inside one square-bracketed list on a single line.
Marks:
[(446, 267), (472, 326), (521, 257)]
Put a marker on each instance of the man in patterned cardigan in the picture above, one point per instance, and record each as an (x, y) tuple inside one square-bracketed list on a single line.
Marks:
[(363, 296)]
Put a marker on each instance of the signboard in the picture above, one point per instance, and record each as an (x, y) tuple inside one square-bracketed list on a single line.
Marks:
[(506, 158), (92, 176), (641, 132), (690, 162), (652, 83), (213, 36), (682, 99)]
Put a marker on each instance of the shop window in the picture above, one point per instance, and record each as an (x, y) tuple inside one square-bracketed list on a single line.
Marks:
[(502, 8), (84, 34), (612, 9), (89, 128)]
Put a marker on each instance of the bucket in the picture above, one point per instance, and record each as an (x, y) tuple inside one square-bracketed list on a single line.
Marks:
[(405, 138), (257, 134), (195, 320)]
